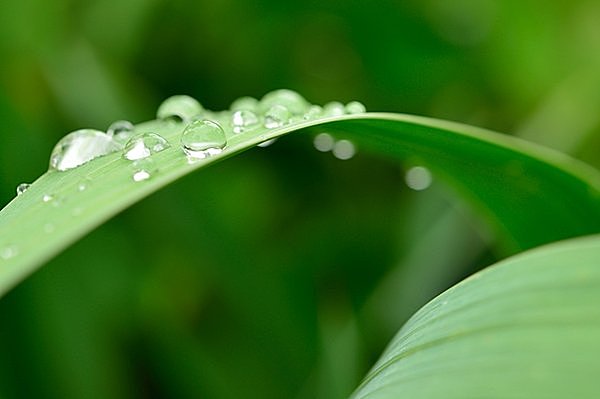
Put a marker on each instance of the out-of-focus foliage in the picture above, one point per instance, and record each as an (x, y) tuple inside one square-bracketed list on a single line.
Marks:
[(256, 285)]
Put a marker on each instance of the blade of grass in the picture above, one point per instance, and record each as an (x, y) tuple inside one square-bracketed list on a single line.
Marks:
[(532, 195)]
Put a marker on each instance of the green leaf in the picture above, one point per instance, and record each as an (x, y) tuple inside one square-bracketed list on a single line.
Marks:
[(531, 194), (527, 327)]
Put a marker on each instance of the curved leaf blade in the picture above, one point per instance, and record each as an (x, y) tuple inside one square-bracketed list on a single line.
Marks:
[(475, 160), (527, 327)]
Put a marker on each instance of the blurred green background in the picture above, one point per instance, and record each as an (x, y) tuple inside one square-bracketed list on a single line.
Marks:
[(281, 273)]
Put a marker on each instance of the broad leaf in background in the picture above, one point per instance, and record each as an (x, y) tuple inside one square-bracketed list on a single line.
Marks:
[(527, 327)]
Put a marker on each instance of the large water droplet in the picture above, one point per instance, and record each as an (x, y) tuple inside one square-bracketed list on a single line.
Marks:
[(179, 108), (418, 178), (343, 149), (334, 108), (355, 107), (323, 142), (21, 188), (9, 251), (80, 147), (143, 169), (276, 116), (203, 138), (245, 103), (120, 131), (294, 102), (243, 120), (144, 145)]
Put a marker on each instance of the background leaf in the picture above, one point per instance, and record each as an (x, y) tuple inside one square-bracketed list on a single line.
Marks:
[(526, 327)]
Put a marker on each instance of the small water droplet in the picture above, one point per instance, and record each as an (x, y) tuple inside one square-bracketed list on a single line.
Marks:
[(313, 112), (9, 251), (80, 147), (294, 102), (144, 145), (243, 120), (143, 169), (49, 228), (323, 142), (334, 108), (355, 107), (418, 178), (120, 131), (245, 103), (203, 138), (276, 116), (344, 149), (179, 108), (83, 184), (267, 143), (21, 188), (47, 198)]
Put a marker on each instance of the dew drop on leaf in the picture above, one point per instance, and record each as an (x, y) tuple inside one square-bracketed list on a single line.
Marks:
[(203, 138), (276, 116), (21, 188), (120, 131), (267, 143), (313, 112), (179, 108), (292, 101), (244, 103), (80, 147), (355, 107), (334, 108), (83, 184), (9, 251), (243, 120), (343, 149), (144, 145), (143, 169)]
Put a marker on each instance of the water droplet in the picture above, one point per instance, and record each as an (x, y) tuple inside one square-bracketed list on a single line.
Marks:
[(313, 112), (243, 120), (120, 131), (203, 138), (267, 143), (47, 197), (343, 149), (9, 251), (355, 107), (276, 116), (143, 169), (179, 108), (334, 108), (21, 188), (245, 103), (144, 145), (418, 178), (49, 228), (83, 184), (323, 142), (80, 147), (294, 102)]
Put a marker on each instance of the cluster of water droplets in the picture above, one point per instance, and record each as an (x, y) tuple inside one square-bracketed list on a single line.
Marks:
[(204, 133)]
